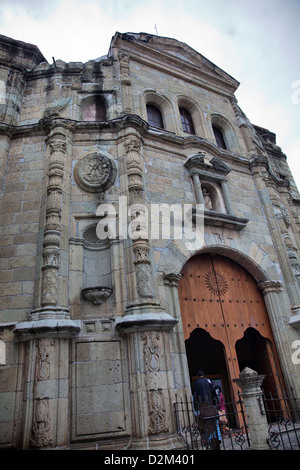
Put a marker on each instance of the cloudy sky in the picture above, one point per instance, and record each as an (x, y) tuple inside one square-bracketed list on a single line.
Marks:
[(255, 41)]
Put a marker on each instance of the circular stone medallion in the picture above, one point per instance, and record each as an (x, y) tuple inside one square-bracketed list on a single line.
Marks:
[(94, 173)]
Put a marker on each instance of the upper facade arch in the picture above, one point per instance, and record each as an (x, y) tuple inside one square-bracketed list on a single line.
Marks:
[(225, 130), (93, 108), (249, 256), (150, 97), (196, 114)]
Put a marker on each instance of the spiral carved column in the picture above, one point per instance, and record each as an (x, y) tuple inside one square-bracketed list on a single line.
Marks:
[(139, 220)]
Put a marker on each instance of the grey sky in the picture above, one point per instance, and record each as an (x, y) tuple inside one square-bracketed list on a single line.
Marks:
[(255, 41)]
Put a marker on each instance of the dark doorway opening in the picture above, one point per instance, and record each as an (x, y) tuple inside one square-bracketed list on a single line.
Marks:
[(208, 354), (253, 351)]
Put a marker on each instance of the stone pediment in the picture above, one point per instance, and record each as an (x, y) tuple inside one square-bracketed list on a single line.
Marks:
[(180, 53), (210, 165)]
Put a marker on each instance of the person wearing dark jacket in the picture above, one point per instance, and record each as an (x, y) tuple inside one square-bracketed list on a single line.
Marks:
[(203, 389), (206, 411)]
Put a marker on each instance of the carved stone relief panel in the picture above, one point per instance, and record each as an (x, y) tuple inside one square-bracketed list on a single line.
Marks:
[(95, 172)]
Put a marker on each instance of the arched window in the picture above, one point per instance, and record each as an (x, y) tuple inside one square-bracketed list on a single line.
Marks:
[(95, 110), (154, 116), (186, 121), (219, 137)]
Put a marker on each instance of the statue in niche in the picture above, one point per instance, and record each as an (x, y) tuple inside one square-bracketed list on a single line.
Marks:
[(207, 200)]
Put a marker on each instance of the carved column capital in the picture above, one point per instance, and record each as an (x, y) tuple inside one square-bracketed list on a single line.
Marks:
[(270, 286), (172, 279), (132, 144)]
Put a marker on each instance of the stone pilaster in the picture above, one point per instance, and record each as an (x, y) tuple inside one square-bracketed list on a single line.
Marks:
[(53, 300), (45, 345), (124, 59), (151, 379), (259, 168), (139, 222), (146, 326), (45, 338), (182, 378), (284, 335)]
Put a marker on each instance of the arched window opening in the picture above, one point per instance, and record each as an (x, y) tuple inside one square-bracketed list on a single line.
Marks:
[(186, 121), (219, 137), (95, 110), (154, 116)]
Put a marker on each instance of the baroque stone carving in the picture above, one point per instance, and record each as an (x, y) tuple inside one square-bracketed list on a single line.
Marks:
[(143, 280), (152, 350), (41, 416), (41, 423), (94, 172), (134, 165), (157, 412), (43, 359)]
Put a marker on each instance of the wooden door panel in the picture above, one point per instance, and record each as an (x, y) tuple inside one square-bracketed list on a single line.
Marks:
[(200, 305), (242, 303), (219, 296)]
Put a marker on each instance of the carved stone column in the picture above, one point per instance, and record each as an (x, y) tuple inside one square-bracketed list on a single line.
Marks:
[(284, 335), (139, 220), (45, 346), (171, 281), (44, 340), (151, 380), (146, 326), (259, 168), (124, 59), (53, 299)]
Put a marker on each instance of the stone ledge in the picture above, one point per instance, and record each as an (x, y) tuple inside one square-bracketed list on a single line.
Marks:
[(145, 321), (295, 322), (219, 219), (50, 328)]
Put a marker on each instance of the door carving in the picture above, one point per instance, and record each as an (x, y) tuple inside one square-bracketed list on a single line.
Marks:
[(219, 296)]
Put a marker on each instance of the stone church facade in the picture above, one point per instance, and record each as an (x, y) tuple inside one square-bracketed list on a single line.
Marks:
[(105, 315)]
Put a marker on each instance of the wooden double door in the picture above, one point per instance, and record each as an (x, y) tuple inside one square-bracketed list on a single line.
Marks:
[(225, 323)]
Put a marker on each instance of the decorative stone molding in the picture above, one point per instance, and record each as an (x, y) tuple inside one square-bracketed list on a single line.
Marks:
[(94, 172)]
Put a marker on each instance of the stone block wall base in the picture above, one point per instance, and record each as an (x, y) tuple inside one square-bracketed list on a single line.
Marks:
[(164, 442)]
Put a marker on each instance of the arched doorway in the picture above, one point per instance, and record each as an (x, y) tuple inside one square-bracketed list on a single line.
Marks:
[(219, 298)]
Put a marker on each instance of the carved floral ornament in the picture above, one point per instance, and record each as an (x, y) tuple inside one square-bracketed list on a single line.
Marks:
[(94, 172)]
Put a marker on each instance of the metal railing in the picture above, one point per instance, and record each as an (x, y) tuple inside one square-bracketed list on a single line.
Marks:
[(205, 428), (283, 415)]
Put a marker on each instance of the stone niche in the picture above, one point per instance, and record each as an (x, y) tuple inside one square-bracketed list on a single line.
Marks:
[(96, 273)]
